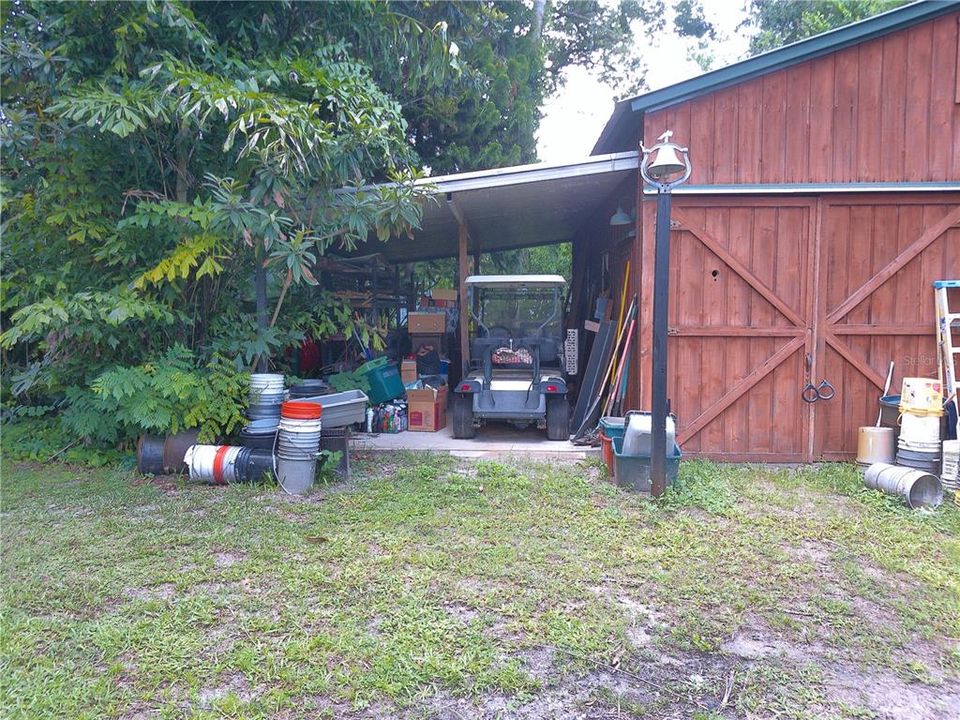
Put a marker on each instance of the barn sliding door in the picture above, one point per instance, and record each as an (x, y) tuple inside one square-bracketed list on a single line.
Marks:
[(878, 258), (769, 293), (741, 290)]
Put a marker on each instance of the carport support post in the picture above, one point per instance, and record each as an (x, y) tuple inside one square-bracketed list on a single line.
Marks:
[(462, 272), (661, 298)]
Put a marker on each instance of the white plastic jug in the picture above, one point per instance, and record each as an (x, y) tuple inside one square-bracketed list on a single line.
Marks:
[(638, 434)]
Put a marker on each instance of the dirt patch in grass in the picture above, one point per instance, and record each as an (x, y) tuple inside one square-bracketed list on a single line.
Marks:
[(234, 684), (889, 696), (166, 591)]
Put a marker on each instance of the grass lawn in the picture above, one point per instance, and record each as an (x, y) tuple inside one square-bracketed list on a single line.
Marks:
[(441, 588)]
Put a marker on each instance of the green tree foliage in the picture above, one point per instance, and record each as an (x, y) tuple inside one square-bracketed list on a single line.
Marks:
[(159, 155), (153, 165), (779, 22)]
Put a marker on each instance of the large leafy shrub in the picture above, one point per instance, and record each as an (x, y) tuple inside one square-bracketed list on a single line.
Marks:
[(173, 393)]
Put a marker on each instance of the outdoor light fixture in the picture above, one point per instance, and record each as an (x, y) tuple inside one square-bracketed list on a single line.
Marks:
[(620, 217), (664, 166)]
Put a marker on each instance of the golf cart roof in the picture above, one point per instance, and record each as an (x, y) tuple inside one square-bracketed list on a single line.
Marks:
[(505, 281)]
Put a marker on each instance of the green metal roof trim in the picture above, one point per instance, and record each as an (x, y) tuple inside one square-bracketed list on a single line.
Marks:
[(621, 130)]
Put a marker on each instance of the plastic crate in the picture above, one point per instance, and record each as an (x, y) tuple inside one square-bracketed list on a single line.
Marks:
[(349, 381), (633, 472), (611, 427), (385, 384), (370, 366)]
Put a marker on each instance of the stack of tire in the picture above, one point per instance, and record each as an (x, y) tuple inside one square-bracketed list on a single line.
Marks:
[(298, 444)]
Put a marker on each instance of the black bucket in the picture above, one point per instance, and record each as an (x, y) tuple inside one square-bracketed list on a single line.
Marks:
[(310, 388), (257, 441), (252, 465), (338, 440), (175, 447), (890, 414), (150, 454)]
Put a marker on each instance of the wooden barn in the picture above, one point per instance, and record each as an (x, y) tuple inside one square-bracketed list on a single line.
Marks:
[(822, 204)]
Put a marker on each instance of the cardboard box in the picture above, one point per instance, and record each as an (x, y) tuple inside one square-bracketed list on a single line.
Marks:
[(444, 294), (428, 395), (426, 417), (426, 323), (408, 371), (427, 409)]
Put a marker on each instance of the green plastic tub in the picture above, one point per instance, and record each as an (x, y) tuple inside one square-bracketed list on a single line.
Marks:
[(385, 384), (633, 472), (613, 426)]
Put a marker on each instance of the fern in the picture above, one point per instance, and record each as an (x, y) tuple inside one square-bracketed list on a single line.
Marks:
[(165, 396)]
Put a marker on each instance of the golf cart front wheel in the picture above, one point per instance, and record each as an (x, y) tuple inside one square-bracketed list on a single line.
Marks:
[(558, 418), (462, 411)]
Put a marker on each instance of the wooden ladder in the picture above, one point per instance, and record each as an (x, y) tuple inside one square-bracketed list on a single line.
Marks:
[(948, 323)]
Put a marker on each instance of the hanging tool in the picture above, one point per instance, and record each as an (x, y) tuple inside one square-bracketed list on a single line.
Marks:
[(615, 387), (623, 305), (590, 419)]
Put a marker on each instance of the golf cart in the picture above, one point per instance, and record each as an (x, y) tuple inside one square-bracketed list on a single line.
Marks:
[(516, 343)]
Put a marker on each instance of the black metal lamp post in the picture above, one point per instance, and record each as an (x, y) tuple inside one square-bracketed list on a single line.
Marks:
[(664, 166)]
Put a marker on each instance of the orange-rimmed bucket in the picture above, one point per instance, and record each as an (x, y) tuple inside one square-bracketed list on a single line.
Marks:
[(298, 410)]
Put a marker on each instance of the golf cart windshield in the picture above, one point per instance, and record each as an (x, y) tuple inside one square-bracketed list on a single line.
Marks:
[(513, 312)]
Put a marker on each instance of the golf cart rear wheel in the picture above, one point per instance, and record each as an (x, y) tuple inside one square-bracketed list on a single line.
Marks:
[(462, 411), (558, 418)]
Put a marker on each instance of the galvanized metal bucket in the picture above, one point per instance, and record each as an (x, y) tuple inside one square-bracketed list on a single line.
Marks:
[(915, 487)]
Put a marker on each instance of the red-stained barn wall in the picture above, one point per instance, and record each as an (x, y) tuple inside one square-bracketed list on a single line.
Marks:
[(772, 290), (886, 110)]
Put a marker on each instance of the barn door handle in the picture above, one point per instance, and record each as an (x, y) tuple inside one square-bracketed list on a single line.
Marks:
[(824, 391)]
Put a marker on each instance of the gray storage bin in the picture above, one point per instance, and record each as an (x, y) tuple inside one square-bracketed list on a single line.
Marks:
[(341, 409)]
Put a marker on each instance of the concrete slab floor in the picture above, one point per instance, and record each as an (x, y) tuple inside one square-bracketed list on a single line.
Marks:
[(492, 440)]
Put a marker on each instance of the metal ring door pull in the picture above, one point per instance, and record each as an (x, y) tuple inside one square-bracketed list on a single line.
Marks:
[(825, 390)]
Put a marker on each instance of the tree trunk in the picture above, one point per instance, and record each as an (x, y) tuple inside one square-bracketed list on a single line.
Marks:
[(260, 287), (539, 7)]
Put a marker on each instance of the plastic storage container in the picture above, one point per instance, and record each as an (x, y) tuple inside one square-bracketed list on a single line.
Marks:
[(341, 409), (637, 435), (385, 383), (610, 427), (632, 472)]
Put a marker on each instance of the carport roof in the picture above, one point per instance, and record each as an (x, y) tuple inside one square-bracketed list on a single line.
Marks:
[(510, 207)]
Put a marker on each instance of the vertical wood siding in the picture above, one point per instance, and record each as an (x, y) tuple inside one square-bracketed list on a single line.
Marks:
[(886, 110), (759, 284)]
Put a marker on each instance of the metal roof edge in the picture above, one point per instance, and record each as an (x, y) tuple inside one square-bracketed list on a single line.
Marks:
[(776, 59), (516, 174), (501, 177), (810, 188)]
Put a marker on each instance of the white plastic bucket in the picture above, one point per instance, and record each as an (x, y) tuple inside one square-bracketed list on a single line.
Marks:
[(266, 380), (920, 429), (922, 395), (212, 463)]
